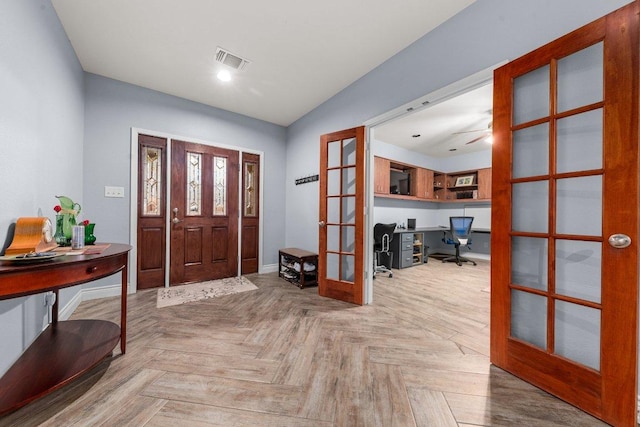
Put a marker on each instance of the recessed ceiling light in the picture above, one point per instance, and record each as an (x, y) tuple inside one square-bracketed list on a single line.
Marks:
[(416, 135), (224, 75)]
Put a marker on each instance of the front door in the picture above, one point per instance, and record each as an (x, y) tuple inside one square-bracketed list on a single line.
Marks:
[(341, 216), (204, 213), (564, 265)]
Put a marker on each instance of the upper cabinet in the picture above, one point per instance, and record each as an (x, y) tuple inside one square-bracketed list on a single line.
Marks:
[(399, 180), (484, 184), (381, 177), (422, 183)]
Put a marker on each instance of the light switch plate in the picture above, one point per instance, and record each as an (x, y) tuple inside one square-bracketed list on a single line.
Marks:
[(113, 191)]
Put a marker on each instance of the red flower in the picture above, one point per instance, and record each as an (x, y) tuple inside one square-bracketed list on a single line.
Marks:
[(85, 222), (57, 208)]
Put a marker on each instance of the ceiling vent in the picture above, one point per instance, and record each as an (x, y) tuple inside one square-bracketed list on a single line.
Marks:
[(229, 59)]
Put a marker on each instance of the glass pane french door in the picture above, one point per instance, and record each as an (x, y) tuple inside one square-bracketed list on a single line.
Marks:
[(556, 215), (342, 215), (565, 178)]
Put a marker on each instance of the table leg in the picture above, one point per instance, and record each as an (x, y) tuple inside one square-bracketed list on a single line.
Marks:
[(123, 309), (54, 307)]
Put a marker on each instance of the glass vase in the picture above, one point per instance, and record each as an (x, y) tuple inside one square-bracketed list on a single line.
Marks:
[(89, 238), (68, 221), (60, 238), (69, 210)]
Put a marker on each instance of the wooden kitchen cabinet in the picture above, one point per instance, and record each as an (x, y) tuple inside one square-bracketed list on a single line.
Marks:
[(382, 176), (484, 184), (422, 183)]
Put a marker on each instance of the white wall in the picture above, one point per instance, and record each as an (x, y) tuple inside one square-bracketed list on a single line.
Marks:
[(41, 127)]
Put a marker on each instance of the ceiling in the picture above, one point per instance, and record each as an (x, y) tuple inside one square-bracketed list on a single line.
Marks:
[(446, 128), (301, 53)]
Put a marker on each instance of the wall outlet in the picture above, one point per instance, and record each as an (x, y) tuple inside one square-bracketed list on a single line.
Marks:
[(113, 191)]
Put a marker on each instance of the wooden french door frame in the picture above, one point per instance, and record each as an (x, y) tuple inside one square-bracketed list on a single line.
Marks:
[(608, 392), (133, 199), (341, 234)]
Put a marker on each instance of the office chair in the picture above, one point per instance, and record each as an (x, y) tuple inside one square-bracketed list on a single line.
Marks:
[(382, 237), (459, 232)]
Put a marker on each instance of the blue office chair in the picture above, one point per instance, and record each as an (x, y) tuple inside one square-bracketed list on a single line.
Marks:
[(458, 235), (382, 237)]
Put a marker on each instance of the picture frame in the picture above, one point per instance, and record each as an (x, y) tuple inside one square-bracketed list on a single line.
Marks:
[(464, 181)]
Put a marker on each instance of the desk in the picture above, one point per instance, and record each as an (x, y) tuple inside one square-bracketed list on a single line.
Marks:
[(409, 246), (66, 349)]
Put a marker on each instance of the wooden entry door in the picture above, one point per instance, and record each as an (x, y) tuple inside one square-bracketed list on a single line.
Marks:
[(204, 213), (249, 250), (341, 216), (152, 191), (564, 287)]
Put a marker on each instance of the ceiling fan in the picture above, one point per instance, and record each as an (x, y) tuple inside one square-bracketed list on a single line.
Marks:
[(486, 133)]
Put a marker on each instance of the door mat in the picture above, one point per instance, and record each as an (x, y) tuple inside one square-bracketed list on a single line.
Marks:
[(182, 294)]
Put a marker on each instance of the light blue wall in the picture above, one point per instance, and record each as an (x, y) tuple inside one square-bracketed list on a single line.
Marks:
[(113, 108), (484, 34), (41, 127)]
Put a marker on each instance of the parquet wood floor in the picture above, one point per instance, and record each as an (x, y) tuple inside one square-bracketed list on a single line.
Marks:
[(281, 356)]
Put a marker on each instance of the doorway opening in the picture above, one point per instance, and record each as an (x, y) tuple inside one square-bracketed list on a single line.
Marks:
[(440, 133)]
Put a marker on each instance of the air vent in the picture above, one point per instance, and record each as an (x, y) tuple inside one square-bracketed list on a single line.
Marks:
[(229, 59)]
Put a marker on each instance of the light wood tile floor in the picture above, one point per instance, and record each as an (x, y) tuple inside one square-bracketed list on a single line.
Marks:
[(281, 356)]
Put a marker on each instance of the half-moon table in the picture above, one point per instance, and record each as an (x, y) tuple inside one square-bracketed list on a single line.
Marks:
[(66, 349)]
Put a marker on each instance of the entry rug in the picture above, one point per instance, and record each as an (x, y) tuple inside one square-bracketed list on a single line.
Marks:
[(203, 290)]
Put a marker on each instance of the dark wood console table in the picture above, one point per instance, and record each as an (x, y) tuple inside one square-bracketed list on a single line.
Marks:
[(66, 349)]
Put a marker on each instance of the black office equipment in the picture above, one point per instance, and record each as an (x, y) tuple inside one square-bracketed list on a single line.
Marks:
[(458, 235), (382, 237)]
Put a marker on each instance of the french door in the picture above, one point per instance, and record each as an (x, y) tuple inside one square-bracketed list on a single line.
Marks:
[(341, 216), (204, 212), (564, 264)]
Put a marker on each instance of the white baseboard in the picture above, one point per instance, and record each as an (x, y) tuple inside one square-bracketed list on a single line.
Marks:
[(269, 268), (91, 294), (70, 307)]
